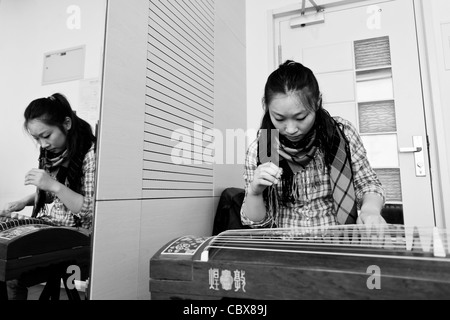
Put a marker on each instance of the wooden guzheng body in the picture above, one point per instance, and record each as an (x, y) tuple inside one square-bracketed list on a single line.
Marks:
[(27, 244), (342, 262)]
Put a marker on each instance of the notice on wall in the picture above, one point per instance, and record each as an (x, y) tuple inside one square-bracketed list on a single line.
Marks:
[(64, 65), (89, 102)]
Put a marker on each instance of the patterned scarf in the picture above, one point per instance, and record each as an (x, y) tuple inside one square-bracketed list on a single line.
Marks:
[(56, 166), (294, 157), (341, 176)]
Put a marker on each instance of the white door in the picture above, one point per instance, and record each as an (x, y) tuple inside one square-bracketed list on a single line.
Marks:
[(365, 57)]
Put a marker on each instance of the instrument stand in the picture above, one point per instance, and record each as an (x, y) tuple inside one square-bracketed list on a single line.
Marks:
[(51, 290), (52, 287)]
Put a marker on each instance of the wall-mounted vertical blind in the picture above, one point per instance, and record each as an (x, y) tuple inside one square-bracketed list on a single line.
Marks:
[(179, 100)]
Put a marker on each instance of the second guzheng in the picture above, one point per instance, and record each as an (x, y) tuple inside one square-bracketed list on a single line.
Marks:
[(341, 262), (28, 243)]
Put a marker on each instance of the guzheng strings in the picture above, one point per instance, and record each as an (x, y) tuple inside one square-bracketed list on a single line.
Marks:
[(386, 240)]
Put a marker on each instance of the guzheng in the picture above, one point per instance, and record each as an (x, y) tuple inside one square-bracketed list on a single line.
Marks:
[(339, 262), (28, 243)]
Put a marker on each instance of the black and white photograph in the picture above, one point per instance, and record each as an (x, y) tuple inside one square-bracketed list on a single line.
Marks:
[(224, 155)]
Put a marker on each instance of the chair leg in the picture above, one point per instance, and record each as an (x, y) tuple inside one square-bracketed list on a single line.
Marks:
[(72, 294), (52, 289)]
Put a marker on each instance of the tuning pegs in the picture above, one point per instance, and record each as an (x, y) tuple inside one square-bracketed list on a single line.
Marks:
[(388, 243), (356, 236), (438, 245), (418, 239), (447, 236), (425, 238)]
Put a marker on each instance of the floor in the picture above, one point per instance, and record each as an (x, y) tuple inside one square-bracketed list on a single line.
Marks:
[(35, 292)]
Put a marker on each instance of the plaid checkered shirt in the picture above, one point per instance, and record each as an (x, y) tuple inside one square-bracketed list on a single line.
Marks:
[(315, 207), (60, 215)]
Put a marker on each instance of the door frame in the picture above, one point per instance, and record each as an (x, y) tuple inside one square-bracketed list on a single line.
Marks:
[(434, 119), (437, 149)]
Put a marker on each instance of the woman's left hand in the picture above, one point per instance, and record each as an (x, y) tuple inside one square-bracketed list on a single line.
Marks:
[(370, 218), (41, 179), (370, 214)]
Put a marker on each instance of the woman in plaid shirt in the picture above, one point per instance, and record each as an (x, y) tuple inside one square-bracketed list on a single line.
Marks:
[(65, 177), (306, 168)]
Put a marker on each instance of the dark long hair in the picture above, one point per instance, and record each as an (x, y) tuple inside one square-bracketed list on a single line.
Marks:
[(293, 77), (53, 111)]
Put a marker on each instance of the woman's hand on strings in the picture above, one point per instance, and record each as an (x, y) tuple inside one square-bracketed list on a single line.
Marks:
[(12, 207), (41, 179), (372, 221), (266, 175), (371, 218), (370, 214)]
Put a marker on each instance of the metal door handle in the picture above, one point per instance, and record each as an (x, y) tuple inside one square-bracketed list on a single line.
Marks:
[(410, 150), (419, 157)]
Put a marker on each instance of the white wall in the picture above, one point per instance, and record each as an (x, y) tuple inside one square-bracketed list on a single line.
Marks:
[(230, 90), (258, 64), (28, 29)]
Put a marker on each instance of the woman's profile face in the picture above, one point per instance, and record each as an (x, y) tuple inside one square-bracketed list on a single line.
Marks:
[(50, 138), (290, 116)]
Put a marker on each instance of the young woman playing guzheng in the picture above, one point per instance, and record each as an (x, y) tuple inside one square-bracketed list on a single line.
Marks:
[(322, 176), (65, 177)]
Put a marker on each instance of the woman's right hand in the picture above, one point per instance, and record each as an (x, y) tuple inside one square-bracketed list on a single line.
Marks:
[(15, 206), (266, 175)]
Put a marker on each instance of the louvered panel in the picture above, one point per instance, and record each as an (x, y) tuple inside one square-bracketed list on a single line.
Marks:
[(157, 135), (199, 10), (176, 176), (189, 144), (177, 148), (175, 131), (159, 96), (174, 98), (185, 143), (156, 101), (155, 160), (198, 85), (179, 100), (370, 53), (185, 22), (185, 151), (204, 24), (167, 46), (174, 194), (174, 118), (189, 122), (175, 157), (162, 127), (207, 7), (156, 56), (176, 184), (181, 25), (170, 83), (171, 46), (203, 171)]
